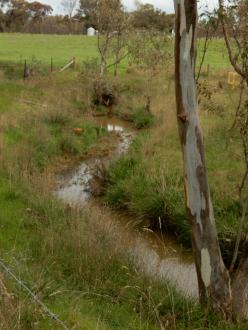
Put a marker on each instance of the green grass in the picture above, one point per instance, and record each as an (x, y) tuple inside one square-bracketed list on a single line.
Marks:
[(38, 126), (216, 56), (16, 47), (12, 93), (84, 300), (142, 118), (45, 138), (152, 187)]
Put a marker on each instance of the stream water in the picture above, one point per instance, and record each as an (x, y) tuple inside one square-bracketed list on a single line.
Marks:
[(155, 254)]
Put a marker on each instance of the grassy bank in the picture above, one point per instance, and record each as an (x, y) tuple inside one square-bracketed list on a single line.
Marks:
[(57, 252), (60, 253), (65, 259), (148, 180)]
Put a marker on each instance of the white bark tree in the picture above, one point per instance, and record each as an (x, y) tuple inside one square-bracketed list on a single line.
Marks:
[(213, 277)]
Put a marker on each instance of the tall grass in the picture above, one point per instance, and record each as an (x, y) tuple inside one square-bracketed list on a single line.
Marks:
[(81, 271)]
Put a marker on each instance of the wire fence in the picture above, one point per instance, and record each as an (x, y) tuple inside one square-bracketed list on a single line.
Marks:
[(25, 68), (34, 297)]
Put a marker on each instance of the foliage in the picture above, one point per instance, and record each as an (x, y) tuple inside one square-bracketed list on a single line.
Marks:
[(147, 17), (150, 51), (142, 118), (22, 12)]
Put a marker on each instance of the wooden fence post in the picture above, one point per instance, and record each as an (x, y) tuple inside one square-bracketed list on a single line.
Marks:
[(208, 71), (25, 70)]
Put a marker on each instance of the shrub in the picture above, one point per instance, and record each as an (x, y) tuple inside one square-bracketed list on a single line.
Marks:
[(142, 118)]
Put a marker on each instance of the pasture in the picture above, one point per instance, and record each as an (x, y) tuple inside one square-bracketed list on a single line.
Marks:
[(16, 47)]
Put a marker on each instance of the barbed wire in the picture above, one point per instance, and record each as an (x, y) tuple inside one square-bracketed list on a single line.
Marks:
[(34, 296)]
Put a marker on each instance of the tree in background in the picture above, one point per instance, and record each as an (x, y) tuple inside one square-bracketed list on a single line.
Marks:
[(150, 51), (3, 3), (87, 10), (233, 16), (69, 8), (144, 17), (121, 37), (110, 34), (147, 17), (17, 15), (37, 12), (234, 21), (22, 13)]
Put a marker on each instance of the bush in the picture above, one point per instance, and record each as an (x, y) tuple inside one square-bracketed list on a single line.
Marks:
[(142, 118)]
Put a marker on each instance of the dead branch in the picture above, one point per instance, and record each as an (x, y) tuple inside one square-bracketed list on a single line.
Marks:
[(35, 103)]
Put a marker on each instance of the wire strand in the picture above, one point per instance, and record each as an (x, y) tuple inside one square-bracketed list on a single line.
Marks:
[(34, 296)]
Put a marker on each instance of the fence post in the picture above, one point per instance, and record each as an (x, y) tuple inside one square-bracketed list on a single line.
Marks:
[(208, 70), (25, 70), (51, 67)]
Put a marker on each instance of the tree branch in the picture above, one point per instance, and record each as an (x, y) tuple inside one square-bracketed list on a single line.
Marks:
[(228, 45)]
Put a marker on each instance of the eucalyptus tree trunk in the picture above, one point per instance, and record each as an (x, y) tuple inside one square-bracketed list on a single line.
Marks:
[(213, 277)]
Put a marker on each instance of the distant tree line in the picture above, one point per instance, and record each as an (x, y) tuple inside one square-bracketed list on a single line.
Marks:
[(36, 17), (145, 16)]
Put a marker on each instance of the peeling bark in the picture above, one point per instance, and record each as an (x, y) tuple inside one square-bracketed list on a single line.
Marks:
[(213, 277)]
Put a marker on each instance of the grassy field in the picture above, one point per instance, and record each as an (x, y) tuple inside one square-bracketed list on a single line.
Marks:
[(216, 56), (15, 48), (60, 253)]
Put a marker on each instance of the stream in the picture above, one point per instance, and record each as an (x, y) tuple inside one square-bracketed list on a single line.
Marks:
[(155, 254)]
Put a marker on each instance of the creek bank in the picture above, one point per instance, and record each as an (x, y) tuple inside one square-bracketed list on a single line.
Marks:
[(144, 187), (154, 254)]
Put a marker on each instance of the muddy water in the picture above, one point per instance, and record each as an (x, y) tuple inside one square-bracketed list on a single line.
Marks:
[(154, 254), (165, 260), (74, 186)]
